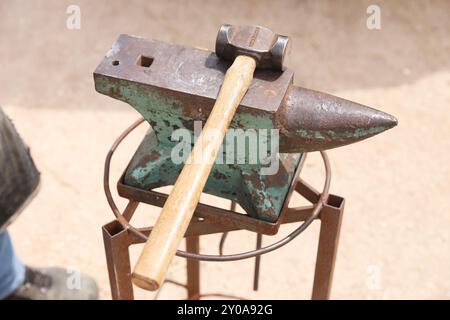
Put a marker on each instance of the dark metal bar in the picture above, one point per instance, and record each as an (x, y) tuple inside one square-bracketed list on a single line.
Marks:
[(307, 191), (331, 218), (257, 263), (225, 234), (130, 209), (116, 241), (193, 268)]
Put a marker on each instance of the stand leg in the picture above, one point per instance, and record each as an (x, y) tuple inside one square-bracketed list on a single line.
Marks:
[(116, 243), (193, 268), (331, 218), (257, 263)]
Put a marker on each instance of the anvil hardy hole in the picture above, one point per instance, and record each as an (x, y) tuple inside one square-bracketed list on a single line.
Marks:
[(115, 63), (144, 61)]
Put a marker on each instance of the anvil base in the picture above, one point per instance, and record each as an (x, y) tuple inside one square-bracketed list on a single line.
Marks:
[(261, 196)]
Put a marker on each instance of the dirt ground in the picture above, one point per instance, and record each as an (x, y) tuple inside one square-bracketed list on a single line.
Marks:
[(395, 240)]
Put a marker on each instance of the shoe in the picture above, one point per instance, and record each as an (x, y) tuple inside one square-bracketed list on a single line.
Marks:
[(55, 284)]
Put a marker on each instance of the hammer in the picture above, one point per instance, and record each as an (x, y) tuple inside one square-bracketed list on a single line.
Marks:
[(249, 46)]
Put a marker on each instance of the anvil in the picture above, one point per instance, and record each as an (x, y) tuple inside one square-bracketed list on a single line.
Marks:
[(171, 86)]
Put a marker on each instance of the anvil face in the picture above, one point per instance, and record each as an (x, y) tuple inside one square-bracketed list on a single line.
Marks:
[(172, 86), (181, 85), (196, 75)]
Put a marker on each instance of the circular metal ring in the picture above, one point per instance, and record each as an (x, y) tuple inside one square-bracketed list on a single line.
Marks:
[(203, 257)]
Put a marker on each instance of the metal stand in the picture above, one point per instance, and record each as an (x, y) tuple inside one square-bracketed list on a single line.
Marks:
[(117, 240), (119, 235)]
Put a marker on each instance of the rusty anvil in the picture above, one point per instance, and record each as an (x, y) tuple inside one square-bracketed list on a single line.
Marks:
[(171, 86)]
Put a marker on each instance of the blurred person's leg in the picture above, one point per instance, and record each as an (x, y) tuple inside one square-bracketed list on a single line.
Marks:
[(19, 179), (24, 283), (12, 271)]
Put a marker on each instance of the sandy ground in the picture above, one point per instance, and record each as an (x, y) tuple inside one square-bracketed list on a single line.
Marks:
[(395, 239)]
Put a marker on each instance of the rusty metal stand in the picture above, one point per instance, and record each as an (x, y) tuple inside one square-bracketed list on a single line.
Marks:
[(117, 241), (119, 234), (193, 268)]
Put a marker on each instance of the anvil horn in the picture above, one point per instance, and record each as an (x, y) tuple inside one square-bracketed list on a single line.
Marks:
[(311, 121)]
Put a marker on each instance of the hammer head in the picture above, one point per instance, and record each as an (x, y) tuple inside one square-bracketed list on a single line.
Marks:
[(262, 44)]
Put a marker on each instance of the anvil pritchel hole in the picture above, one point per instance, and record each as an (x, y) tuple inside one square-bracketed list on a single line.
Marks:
[(115, 63), (144, 61)]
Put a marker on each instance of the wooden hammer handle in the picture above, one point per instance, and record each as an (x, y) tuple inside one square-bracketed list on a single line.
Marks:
[(177, 212)]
